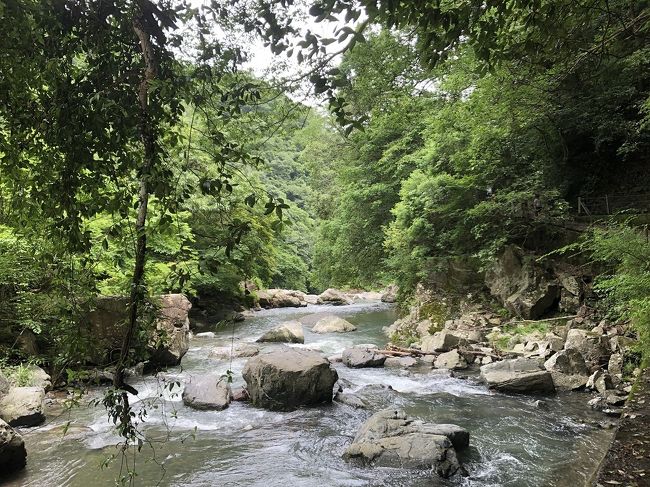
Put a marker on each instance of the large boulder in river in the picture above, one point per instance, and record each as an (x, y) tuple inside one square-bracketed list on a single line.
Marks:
[(23, 406), (209, 392), (13, 455), (389, 438), (442, 341), (568, 370), (357, 357), (333, 324), (285, 379), (334, 296), (518, 375), (287, 332)]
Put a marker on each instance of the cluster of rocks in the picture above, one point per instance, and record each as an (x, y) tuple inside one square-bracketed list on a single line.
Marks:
[(571, 354), (289, 298), (530, 287), (20, 405)]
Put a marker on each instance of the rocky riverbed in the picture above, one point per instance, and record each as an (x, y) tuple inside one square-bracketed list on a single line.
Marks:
[(514, 439)]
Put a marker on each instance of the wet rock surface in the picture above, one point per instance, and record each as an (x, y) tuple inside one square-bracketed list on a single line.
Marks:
[(390, 438)]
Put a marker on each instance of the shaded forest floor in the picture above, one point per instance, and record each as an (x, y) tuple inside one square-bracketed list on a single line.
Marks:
[(627, 462)]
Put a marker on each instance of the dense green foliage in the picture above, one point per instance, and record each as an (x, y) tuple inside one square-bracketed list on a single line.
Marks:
[(127, 167)]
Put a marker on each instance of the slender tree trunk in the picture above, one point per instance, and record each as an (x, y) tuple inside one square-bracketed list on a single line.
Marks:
[(148, 137)]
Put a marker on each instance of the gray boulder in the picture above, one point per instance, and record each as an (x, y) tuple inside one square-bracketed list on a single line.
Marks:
[(287, 332), (286, 379), (334, 296), (568, 370), (517, 375), (390, 294), (351, 400), (442, 341), (389, 438), (615, 365), (312, 299), (333, 324), (242, 349), (593, 347), (450, 360), (402, 362), (600, 381), (23, 406), (209, 392), (13, 455), (362, 357)]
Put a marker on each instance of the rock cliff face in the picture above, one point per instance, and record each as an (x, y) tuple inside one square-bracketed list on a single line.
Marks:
[(530, 288), (169, 338)]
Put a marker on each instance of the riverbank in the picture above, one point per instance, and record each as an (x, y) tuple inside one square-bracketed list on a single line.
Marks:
[(627, 461)]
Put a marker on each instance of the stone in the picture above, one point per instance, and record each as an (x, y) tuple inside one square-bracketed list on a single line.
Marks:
[(23, 406), (333, 324), (242, 349), (615, 365), (612, 398), (620, 343), (451, 360), (13, 455), (555, 342), (568, 370), (390, 294), (401, 362), (441, 341), (286, 379), (209, 392), (334, 296), (600, 381), (240, 394), (281, 298), (351, 400), (593, 347), (520, 375), (389, 438), (360, 357), (313, 299), (287, 332)]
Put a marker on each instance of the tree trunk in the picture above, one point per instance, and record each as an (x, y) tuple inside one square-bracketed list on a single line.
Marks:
[(147, 135)]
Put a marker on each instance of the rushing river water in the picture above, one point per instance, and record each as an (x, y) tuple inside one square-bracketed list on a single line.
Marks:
[(514, 442)]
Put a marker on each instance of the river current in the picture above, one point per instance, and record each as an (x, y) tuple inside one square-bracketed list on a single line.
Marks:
[(514, 440)]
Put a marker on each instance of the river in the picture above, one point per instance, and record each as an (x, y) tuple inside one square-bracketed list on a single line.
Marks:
[(514, 441)]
